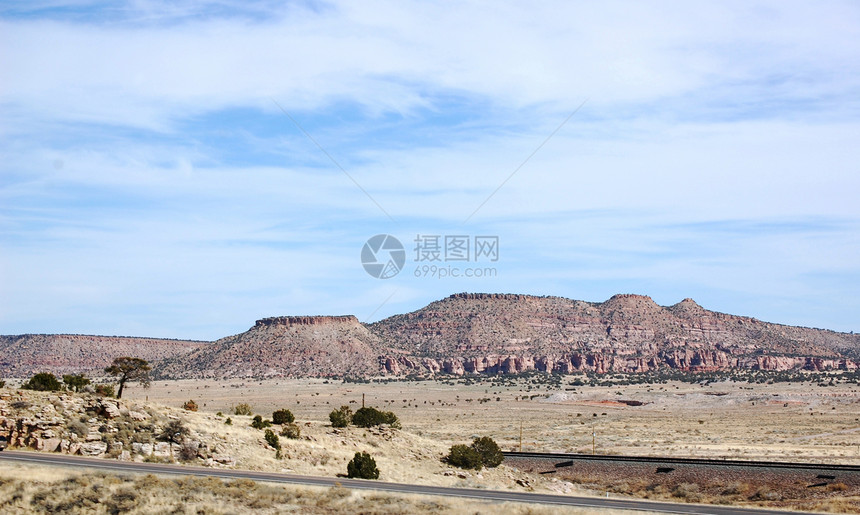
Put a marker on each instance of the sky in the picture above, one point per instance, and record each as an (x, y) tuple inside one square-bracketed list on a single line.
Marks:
[(181, 169)]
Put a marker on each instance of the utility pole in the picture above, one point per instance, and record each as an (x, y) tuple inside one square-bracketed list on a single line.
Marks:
[(362, 400), (521, 435)]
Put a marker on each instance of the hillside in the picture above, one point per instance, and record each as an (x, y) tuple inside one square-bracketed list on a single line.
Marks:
[(498, 333), (27, 354), (310, 346), (464, 334)]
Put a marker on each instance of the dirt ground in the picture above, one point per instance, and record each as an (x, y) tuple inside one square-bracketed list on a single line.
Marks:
[(783, 421)]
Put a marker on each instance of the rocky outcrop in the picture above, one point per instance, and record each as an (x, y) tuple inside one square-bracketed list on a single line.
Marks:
[(92, 426), (24, 355)]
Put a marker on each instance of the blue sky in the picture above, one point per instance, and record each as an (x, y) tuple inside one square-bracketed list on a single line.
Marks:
[(150, 183)]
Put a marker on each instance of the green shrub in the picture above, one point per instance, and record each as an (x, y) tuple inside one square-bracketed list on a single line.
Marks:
[(491, 455), (283, 416), (259, 423), (242, 409), (340, 417), (43, 382), (274, 442), (464, 456), (105, 390), (229, 421), (362, 466), (2, 383), (291, 431), (369, 417), (76, 382)]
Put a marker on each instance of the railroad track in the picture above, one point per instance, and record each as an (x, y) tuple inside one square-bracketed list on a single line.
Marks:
[(682, 461)]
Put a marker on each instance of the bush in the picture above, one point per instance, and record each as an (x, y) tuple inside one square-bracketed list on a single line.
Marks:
[(76, 382), (362, 466), (369, 417), (190, 406), (43, 382), (491, 455), (273, 440), (464, 456), (291, 431), (259, 423), (242, 409), (174, 432), (340, 417), (283, 416), (229, 421), (188, 451), (2, 383), (105, 390)]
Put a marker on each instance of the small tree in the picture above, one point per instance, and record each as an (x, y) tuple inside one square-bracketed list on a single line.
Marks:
[(283, 416), (491, 455), (369, 417), (274, 442), (43, 382), (2, 383), (484, 452), (129, 369), (76, 382), (464, 457), (259, 423), (340, 417), (362, 466)]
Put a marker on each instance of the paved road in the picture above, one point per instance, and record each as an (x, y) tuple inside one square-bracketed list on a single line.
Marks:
[(492, 495)]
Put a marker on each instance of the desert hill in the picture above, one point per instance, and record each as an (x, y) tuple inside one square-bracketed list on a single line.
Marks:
[(501, 333), (27, 354), (466, 333), (316, 346)]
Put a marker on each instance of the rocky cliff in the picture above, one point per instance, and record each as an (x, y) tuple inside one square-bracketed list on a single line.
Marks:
[(497, 333), (24, 355), (305, 346)]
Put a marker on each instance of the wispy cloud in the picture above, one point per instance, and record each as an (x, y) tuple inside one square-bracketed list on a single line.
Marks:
[(149, 185)]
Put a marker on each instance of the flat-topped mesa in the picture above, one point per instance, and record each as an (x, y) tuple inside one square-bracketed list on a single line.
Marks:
[(306, 320)]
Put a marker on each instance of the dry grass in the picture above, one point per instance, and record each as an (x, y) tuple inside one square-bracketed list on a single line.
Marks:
[(800, 422), (30, 489)]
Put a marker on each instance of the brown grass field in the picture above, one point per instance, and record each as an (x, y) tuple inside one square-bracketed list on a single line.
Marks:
[(782, 421)]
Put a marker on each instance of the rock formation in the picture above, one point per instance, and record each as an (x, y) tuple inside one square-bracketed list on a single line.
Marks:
[(503, 334), (305, 346)]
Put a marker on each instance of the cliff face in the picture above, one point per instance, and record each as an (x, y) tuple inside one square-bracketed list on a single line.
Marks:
[(27, 354), (307, 346), (494, 333)]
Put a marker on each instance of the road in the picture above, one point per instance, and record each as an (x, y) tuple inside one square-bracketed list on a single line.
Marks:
[(63, 460)]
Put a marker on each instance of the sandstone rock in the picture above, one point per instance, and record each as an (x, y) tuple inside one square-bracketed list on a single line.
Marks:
[(224, 459), (138, 416), (125, 456), (93, 448), (162, 449)]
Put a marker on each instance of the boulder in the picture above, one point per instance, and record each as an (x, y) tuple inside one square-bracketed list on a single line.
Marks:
[(94, 448)]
